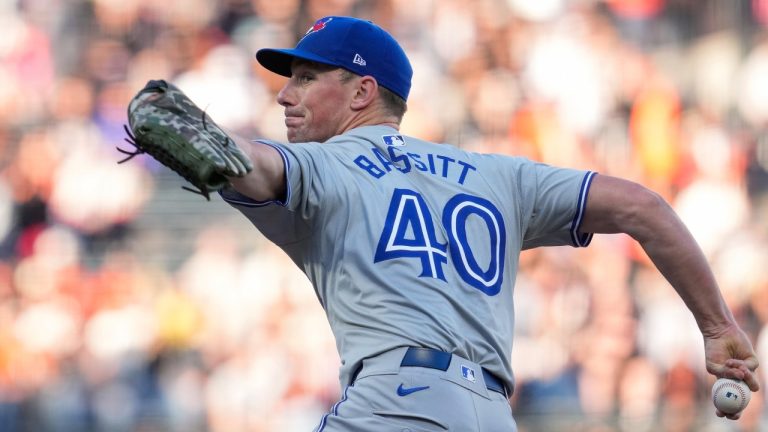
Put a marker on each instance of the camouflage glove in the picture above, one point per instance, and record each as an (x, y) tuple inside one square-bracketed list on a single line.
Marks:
[(168, 126)]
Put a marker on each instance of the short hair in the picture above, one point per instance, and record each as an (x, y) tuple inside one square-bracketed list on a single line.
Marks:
[(392, 102)]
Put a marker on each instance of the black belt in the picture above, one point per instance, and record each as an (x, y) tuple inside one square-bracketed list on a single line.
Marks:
[(434, 359)]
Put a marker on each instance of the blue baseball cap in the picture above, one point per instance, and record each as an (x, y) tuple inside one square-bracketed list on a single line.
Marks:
[(353, 44)]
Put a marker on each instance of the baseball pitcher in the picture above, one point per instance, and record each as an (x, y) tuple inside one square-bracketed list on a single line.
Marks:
[(412, 247)]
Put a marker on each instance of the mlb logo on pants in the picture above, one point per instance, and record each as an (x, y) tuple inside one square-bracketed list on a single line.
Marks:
[(468, 373)]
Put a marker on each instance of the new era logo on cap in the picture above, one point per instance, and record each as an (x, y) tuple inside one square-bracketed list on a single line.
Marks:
[(359, 60)]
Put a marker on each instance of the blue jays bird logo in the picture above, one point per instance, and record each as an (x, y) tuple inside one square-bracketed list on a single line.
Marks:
[(318, 25)]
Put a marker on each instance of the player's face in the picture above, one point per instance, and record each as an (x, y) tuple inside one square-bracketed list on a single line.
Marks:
[(316, 103)]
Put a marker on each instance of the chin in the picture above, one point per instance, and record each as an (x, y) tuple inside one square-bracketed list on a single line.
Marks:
[(294, 138)]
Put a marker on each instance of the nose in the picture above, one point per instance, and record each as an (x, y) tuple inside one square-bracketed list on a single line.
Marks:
[(284, 97)]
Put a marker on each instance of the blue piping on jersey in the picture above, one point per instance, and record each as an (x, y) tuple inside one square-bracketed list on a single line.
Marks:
[(582, 240), (334, 410), (247, 202)]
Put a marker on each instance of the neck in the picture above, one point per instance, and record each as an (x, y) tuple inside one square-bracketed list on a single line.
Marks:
[(393, 125), (360, 122)]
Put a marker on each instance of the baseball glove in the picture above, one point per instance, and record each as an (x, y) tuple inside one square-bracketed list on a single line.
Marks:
[(168, 126)]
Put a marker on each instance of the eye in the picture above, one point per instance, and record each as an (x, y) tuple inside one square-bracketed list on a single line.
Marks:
[(305, 78)]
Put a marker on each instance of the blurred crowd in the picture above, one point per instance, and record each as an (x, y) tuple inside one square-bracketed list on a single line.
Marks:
[(111, 320)]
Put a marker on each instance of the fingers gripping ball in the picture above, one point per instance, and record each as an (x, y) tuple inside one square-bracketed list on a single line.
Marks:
[(730, 396), (168, 126)]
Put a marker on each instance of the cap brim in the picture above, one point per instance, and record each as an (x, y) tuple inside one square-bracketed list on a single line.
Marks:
[(279, 60)]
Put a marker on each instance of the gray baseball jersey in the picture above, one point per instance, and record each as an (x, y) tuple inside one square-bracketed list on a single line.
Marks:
[(411, 243)]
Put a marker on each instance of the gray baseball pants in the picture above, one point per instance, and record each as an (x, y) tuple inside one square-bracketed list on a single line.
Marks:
[(392, 393)]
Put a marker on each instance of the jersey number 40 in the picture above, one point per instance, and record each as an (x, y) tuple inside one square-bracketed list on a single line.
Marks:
[(409, 232)]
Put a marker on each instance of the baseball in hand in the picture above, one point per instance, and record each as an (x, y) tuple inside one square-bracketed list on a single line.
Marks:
[(730, 396)]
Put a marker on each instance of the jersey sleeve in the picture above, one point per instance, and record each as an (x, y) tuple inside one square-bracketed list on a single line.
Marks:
[(286, 220), (556, 200)]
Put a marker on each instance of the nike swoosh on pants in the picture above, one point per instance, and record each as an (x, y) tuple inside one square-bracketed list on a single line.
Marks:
[(403, 391)]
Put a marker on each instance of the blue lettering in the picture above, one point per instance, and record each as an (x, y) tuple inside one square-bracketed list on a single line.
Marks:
[(367, 165), (456, 213), (409, 232), (431, 160), (446, 161), (383, 159), (417, 161), (465, 169), (399, 158), (395, 159)]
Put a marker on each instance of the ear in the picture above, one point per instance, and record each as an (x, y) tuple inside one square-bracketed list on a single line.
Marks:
[(366, 93)]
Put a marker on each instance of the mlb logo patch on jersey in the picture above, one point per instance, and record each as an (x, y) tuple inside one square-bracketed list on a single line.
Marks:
[(393, 140), (468, 373)]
